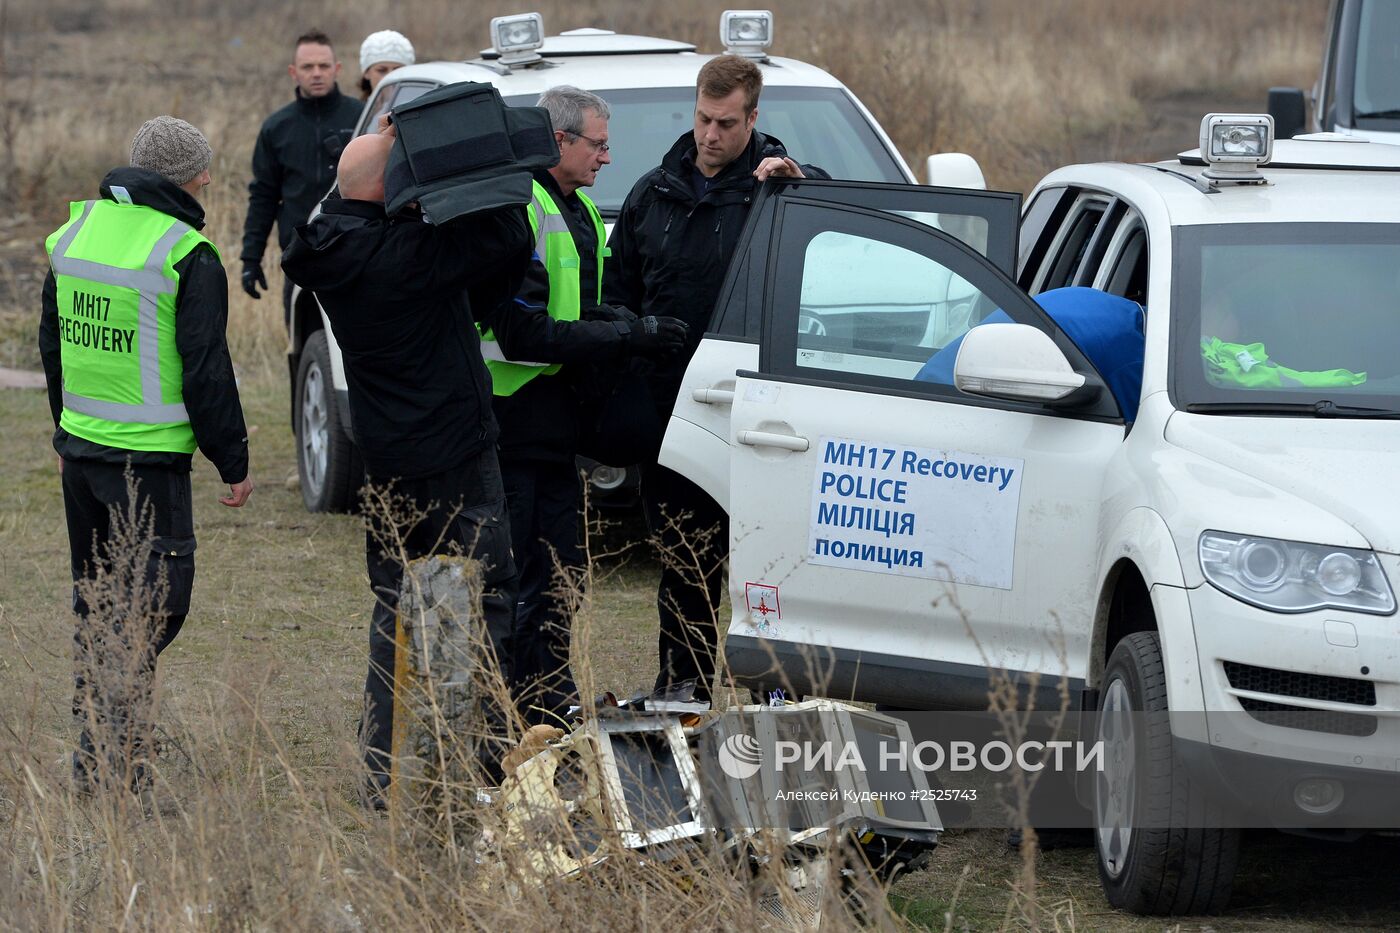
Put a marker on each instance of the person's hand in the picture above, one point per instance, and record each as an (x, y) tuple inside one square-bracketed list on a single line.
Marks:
[(777, 167), (616, 314), (238, 493), (253, 278), (385, 125), (658, 336)]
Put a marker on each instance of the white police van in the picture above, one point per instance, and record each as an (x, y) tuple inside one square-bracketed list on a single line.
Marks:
[(1232, 550), (1358, 90), (649, 84)]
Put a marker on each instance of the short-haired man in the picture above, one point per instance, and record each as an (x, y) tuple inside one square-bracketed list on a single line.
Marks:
[(132, 337), (557, 318), (295, 156), (670, 248)]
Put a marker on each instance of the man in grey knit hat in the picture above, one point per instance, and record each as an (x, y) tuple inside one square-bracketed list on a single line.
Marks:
[(131, 332)]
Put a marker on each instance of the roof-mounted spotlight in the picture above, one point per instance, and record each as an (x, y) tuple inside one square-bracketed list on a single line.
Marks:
[(746, 32), (1235, 145), (516, 38)]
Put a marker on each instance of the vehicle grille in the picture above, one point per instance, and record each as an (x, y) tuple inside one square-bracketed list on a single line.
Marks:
[(1300, 686), (1309, 720)]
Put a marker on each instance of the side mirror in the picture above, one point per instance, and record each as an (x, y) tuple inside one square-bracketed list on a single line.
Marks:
[(1019, 363), (954, 170), (1289, 109)]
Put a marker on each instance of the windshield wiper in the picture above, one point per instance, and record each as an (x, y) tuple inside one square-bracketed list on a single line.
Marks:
[(1378, 115), (1325, 408)]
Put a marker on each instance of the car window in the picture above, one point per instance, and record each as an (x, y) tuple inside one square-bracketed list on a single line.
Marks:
[(1127, 264), (1294, 313), (819, 126), (873, 307), (1078, 233), (389, 96), (1376, 92), (984, 221), (1039, 225), (866, 299)]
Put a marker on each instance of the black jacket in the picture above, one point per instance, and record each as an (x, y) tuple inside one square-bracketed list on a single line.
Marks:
[(540, 421), (399, 294), (671, 249), (201, 315), (294, 164)]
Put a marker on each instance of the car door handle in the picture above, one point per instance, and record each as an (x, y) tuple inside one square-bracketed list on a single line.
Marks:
[(713, 396), (765, 439)]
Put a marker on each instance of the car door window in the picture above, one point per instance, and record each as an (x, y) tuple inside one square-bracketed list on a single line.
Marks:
[(985, 221), (867, 299), (873, 307)]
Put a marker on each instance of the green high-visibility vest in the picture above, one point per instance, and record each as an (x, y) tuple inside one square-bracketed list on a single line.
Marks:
[(114, 266), (554, 245), (1247, 366)]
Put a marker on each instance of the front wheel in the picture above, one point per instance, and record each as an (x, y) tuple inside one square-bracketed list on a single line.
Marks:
[(327, 462), (1157, 850)]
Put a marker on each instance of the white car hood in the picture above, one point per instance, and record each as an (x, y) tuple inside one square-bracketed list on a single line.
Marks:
[(1347, 467)]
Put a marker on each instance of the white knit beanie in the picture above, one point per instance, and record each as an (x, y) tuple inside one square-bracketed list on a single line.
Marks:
[(385, 46)]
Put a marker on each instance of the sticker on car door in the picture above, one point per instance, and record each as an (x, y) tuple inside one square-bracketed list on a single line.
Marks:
[(912, 511)]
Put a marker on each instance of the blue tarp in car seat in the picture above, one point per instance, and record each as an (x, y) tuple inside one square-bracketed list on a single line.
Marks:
[(1106, 328)]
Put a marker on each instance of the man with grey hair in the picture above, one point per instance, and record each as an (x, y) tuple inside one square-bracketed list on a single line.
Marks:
[(132, 338), (540, 348)]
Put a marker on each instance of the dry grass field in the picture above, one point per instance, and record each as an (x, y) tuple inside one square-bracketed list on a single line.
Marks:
[(260, 694)]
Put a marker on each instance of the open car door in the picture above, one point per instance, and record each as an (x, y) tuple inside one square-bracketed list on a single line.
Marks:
[(892, 536), (697, 439)]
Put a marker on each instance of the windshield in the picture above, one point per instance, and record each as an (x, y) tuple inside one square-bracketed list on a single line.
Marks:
[(1377, 86), (819, 126), (1286, 314)]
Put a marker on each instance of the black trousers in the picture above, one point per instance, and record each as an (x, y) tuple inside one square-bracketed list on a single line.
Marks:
[(129, 606), (463, 512), (692, 531), (543, 498)]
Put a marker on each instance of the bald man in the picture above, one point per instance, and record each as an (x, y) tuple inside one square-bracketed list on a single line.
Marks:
[(399, 294)]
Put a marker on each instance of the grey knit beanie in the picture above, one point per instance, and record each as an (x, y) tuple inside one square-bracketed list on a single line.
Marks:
[(172, 147)]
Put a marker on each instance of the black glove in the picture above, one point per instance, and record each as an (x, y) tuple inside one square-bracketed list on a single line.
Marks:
[(253, 278), (615, 314), (658, 336)]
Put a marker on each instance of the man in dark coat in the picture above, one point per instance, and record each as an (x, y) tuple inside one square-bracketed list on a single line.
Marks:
[(398, 292), (294, 157), (670, 251), (132, 337), (556, 319)]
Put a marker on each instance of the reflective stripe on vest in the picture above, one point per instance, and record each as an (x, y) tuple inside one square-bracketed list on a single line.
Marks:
[(116, 287), (555, 248)]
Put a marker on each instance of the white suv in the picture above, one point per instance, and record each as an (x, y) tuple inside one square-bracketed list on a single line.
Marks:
[(649, 84), (1228, 555)]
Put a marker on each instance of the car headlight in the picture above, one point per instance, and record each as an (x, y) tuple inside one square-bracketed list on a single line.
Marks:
[(1289, 576)]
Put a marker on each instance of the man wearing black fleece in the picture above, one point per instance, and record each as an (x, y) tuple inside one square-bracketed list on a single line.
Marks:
[(399, 293), (670, 251), (294, 157), (131, 333)]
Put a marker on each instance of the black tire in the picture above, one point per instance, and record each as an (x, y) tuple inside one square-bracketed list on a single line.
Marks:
[(327, 461), (1164, 863)]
